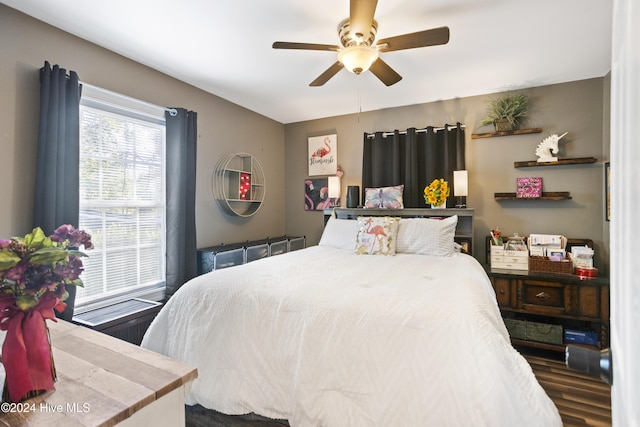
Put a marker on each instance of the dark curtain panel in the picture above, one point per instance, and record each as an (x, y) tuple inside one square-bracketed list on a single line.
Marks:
[(413, 158), (56, 198), (181, 198)]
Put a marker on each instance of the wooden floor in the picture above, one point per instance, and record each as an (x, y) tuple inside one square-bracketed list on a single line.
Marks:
[(580, 399)]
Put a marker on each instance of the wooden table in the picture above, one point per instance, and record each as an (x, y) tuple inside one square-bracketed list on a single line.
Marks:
[(104, 381)]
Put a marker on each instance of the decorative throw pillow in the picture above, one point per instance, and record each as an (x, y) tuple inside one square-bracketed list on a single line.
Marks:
[(377, 235), (384, 197), (427, 236), (340, 233)]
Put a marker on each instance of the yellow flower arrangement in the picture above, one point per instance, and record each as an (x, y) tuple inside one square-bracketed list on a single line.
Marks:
[(437, 192)]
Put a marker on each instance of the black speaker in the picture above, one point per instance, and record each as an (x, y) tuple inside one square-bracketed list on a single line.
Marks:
[(353, 196)]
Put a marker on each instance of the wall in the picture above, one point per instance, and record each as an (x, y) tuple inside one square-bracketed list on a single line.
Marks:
[(575, 107), (581, 108), (223, 127)]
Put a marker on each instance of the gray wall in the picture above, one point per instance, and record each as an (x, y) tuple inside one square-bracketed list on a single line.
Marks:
[(579, 108), (223, 127)]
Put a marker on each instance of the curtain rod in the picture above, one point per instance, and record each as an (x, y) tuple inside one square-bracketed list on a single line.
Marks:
[(386, 134), (172, 111)]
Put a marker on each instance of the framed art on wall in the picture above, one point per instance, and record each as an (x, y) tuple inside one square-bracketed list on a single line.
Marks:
[(323, 155), (316, 195), (529, 187)]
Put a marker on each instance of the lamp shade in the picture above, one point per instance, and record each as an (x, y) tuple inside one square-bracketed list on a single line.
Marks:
[(357, 58), (460, 183), (334, 187)]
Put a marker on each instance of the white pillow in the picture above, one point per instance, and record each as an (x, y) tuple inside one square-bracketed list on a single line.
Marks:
[(427, 236), (340, 233), (377, 235)]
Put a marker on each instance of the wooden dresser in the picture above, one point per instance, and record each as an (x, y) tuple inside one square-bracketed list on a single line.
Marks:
[(104, 381), (561, 299)]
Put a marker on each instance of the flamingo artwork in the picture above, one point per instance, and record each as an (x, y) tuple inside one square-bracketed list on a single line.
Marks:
[(377, 232), (323, 158), (324, 150), (316, 195)]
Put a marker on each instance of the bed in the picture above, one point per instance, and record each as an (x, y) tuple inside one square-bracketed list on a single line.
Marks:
[(356, 331)]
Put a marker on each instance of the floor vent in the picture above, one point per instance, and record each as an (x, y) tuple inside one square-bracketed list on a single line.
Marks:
[(127, 320)]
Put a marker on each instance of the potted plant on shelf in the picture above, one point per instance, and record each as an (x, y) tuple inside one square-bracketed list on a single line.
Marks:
[(507, 112)]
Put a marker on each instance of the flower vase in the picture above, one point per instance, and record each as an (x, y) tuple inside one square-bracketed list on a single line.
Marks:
[(27, 357), (440, 206)]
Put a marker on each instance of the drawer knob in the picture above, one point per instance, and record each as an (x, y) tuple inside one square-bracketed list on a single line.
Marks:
[(543, 296), (501, 291)]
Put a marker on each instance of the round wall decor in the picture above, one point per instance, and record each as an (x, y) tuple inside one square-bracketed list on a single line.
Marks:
[(238, 184)]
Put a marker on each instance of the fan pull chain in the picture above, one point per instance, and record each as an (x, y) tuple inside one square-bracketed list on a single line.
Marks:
[(359, 98)]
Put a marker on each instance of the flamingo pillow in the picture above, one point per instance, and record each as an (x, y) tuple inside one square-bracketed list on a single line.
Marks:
[(376, 235)]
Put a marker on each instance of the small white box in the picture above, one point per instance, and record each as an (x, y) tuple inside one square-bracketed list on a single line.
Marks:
[(509, 260)]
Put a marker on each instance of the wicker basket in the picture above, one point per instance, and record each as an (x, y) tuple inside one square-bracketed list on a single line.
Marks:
[(503, 125), (543, 264)]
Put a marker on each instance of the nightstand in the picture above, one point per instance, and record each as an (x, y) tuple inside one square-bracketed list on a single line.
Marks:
[(561, 300)]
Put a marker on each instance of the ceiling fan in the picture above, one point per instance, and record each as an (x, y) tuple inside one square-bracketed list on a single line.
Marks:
[(358, 52)]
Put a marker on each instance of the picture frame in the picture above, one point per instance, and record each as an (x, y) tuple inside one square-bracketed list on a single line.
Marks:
[(316, 195), (465, 244), (607, 191), (529, 187), (322, 157)]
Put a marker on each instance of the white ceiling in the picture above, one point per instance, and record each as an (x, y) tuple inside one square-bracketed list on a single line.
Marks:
[(224, 47)]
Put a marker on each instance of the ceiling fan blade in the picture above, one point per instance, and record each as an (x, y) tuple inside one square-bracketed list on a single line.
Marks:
[(384, 72), (305, 46), (361, 14), (424, 38), (330, 72)]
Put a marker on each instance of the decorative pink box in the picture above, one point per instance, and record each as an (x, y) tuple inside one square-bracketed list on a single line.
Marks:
[(529, 188)]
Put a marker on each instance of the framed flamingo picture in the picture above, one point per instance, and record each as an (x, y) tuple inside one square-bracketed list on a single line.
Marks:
[(323, 155), (316, 195)]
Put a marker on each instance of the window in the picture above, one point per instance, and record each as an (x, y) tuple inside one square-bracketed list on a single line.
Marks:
[(122, 197)]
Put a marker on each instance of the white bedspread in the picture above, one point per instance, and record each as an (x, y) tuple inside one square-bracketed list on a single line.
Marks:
[(322, 337)]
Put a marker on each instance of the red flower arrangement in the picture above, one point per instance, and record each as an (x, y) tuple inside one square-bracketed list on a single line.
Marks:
[(34, 272)]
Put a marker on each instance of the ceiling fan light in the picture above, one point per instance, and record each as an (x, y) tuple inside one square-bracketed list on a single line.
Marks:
[(357, 58)]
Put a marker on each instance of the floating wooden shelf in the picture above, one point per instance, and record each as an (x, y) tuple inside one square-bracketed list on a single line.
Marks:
[(574, 161), (514, 132), (552, 195)]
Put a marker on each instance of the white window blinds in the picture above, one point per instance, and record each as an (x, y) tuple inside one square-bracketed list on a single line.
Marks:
[(122, 196)]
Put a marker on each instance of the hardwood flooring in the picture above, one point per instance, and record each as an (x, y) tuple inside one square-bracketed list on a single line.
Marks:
[(580, 399)]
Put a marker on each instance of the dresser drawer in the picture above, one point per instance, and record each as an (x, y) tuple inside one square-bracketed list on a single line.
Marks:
[(510, 263), (544, 297), (258, 251), (503, 291), (297, 243), (278, 247), (228, 258), (217, 257)]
